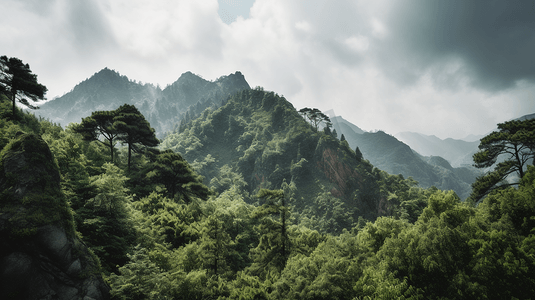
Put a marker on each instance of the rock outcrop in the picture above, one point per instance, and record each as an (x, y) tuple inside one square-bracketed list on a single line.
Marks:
[(40, 255)]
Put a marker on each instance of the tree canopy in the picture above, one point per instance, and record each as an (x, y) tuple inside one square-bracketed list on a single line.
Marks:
[(171, 170), (100, 123), (509, 150), (133, 129), (125, 124), (315, 117), (18, 81)]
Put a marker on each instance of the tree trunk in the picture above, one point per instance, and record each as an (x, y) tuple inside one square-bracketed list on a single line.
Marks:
[(519, 162), (111, 150), (129, 154), (14, 96)]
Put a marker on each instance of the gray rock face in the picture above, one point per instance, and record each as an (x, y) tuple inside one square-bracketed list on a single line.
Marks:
[(40, 255)]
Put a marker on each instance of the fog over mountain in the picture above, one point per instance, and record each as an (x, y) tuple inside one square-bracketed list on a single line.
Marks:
[(457, 152)]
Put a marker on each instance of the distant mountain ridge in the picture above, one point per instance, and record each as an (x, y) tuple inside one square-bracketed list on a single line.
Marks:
[(388, 153), (107, 90), (456, 152)]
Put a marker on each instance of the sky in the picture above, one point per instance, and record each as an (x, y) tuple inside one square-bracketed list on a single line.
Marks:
[(445, 68)]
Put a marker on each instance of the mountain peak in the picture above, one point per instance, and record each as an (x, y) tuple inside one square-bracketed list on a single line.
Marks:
[(107, 90)]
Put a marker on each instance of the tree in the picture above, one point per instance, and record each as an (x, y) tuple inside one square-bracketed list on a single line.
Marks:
[(215, 243), (358, 154), (514, 143), (171, 170), (100, 123), (315, 117), (17, 80), (105, 220), (133, 129), (273, 248)]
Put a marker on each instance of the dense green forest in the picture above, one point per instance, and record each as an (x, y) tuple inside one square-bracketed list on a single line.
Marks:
[(251, 201)]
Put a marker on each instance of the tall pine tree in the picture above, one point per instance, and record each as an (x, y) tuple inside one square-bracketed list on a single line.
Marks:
[(18, 81), (133, 129)]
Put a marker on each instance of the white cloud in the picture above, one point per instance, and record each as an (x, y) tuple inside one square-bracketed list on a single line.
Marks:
[(350, 56), (357, 43)]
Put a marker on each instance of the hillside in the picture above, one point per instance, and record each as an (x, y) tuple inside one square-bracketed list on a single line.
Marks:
[(258, 137), (107, 90), (395, 157), (75, 223), (342, 125)]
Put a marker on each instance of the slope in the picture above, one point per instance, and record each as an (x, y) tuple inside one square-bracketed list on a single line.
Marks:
[(393, 156), (258, 140)]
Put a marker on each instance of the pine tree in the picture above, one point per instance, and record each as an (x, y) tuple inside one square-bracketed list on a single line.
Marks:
[(174, 172), (358, 154), (515, 143), (273, 248), (17, 80), (100, 123), (133, 129)]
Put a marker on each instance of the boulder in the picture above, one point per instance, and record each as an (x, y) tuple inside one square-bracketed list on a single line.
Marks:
[(40, 255)]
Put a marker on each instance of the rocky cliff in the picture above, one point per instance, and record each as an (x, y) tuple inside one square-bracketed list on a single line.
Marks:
[(40, 255)]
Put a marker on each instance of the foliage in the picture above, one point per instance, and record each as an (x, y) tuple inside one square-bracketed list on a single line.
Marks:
[(323, 223), (274, 245), (315, 117), (133, 129), (171, 170), (100, 123), (106, 218), (31, 199), (17, 79), (513, 143), (124, 124)]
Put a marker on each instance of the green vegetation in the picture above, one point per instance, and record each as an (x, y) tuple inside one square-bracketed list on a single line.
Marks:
[(249, 201), (18, 81), (514, 146), (315, 117)]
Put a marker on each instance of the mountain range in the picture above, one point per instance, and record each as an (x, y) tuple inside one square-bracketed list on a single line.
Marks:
[(430, 161), (457, 152), (107, 90), (388, 153)]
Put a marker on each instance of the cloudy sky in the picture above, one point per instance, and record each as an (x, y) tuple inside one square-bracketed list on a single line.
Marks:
[(448, 68)]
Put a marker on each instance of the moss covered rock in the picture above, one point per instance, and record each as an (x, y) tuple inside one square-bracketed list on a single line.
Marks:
[(40, 255)]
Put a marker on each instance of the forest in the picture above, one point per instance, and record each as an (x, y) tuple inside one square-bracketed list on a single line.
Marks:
[(255, 199)]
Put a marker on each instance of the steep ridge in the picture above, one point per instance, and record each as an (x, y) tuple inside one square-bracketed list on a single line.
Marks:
[(107, 90), (342, 125), (40, 255), (258, 138), (395, 157)]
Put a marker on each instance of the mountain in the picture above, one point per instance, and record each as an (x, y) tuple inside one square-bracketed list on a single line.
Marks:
[(526, 117), (342, 125), (473, 138), (258, 140), (107, 90), (456, 152), (388, 153)]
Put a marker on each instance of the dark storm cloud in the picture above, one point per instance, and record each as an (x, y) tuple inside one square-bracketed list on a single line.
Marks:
[(494, 40)]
